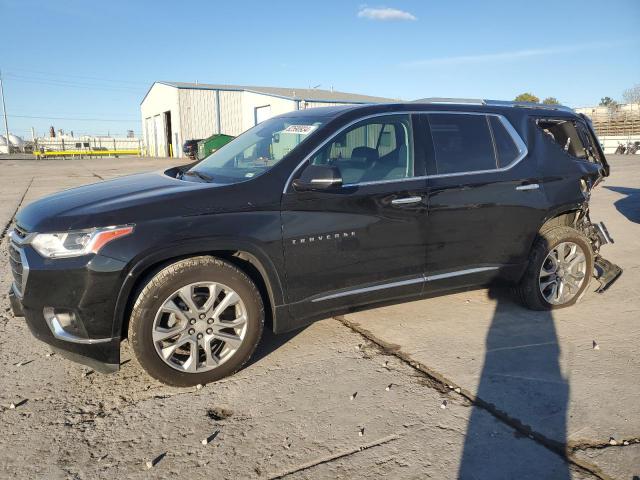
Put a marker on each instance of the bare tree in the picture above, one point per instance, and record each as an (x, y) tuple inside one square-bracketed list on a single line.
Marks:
[(632, 95)]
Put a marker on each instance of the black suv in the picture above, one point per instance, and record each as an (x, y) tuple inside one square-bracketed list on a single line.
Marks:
[(306, 215)]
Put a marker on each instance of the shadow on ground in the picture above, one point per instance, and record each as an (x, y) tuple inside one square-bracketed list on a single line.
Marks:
[(270, 342), (629, 206), (521, 376)]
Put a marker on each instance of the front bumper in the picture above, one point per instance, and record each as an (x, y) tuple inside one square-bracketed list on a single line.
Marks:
[(87, 288)]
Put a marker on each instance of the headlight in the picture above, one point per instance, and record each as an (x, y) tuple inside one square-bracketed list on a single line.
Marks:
[(77, 243)]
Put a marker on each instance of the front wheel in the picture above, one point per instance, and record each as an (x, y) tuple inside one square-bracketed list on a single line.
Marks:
[(559, 271), (196, 321)]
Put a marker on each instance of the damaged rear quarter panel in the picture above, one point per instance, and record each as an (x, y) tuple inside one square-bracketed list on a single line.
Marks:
[(562, 174)]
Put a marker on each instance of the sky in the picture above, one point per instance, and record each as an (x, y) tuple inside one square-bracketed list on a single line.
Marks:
[(85, 65)]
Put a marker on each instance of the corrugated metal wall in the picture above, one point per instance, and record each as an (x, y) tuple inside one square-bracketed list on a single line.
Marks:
[(231, 112), (197, 113)]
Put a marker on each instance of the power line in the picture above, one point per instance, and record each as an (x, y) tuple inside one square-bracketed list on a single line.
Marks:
[(101, 79), (134, 115), (76, 118), (64, 83)]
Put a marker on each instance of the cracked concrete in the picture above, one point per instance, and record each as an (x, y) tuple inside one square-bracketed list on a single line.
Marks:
[(289, 412), (443, 384), (542, 369), (9, 218)]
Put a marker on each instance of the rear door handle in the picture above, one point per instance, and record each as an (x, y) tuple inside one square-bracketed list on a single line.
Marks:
[(406, 200), (528, 186)]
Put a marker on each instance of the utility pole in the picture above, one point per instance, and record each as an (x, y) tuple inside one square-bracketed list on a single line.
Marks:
[(4, 111)]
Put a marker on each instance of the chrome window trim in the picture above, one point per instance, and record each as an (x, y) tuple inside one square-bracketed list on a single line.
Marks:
[(401, 283), (520, 145)]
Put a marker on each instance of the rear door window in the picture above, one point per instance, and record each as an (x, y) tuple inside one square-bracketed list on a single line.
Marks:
[(462, 143)]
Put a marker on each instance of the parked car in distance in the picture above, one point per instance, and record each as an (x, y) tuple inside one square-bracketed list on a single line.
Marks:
[(190, 148), (309, 214)]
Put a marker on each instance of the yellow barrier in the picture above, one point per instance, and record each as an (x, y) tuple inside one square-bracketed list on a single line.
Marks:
[(87, 153)]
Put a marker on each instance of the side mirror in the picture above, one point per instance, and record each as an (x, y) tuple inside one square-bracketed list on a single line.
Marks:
[(318, 177)]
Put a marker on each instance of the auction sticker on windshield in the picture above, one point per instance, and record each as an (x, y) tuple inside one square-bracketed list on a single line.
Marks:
[(300, 129)]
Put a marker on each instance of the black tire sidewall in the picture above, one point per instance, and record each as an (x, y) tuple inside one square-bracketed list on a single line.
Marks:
[(164, 284)]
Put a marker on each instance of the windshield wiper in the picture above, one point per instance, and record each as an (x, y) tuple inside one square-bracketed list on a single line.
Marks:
[(200, 175)]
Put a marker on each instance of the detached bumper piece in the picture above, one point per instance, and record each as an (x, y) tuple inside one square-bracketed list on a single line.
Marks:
[(606, 273), (16, 304)]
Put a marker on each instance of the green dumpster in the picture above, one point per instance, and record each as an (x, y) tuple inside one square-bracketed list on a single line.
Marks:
[(209, 145)]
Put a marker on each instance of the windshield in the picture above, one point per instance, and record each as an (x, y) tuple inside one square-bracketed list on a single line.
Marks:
[(257, 150)]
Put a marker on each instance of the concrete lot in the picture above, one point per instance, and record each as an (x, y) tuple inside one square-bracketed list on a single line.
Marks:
[(527, 394)]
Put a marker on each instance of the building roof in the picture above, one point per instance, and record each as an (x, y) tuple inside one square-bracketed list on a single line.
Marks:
[(308, 94)]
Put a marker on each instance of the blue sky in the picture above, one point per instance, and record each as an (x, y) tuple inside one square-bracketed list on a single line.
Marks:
[(85, 65)]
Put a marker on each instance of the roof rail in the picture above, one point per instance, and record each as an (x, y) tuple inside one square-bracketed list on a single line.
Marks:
[(463, 101), (507, 103), (493, 103)]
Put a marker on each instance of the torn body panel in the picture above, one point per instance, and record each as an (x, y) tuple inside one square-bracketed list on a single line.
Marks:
[(605, 272)]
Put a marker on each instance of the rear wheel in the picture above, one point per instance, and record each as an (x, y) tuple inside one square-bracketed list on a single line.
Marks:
[(196, 321), (559, 271)]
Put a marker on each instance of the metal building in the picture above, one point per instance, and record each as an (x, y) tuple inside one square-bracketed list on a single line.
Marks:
[(173, 112)]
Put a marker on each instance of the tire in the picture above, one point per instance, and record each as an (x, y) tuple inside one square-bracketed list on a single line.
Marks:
[(205, 280), (532, 285)]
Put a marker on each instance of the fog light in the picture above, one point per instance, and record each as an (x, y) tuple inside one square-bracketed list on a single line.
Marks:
[(65, 324)]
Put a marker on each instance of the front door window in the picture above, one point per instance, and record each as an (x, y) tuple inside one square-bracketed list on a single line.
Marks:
[(374, 150)]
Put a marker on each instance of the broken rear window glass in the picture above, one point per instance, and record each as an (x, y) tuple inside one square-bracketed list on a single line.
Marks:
[(565, 134)]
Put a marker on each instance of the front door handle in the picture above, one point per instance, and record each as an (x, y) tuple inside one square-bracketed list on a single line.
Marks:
[(406, 200), (528, 186)]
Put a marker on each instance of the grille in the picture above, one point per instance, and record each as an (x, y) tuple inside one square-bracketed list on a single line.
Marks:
[(15, 260)]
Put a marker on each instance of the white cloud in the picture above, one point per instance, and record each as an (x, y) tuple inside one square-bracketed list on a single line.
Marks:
[(385, 14), (506, 56)]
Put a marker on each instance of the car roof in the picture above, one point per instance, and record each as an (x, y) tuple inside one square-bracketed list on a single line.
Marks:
[(436, 104)]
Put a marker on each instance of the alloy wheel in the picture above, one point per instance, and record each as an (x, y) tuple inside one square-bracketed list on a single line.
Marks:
[(199, 327), (563, 273)]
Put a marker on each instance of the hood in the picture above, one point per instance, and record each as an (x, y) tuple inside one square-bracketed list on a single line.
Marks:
[(112, 202)]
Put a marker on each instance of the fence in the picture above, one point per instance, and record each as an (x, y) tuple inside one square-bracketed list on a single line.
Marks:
[(87, 147), (620, 121)]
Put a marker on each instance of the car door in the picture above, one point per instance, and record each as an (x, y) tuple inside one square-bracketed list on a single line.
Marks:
[(363, 241), (485, 200)]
